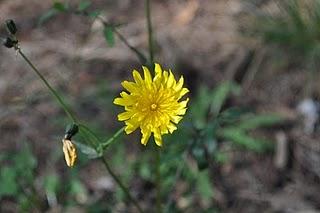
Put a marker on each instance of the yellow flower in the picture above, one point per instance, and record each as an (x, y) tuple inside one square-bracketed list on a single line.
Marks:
[(152, 104), (70, 153)]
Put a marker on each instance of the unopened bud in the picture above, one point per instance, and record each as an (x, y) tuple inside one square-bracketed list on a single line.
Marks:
[(71, 130), (8, 42), (70, 152), (11, 26)]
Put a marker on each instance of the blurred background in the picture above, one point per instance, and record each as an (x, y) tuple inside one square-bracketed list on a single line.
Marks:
[(249, 142)]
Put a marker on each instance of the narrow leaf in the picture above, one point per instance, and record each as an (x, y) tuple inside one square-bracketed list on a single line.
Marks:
[(109, 35), (47, 16), (84, 5), (241, 138), (59, 6)]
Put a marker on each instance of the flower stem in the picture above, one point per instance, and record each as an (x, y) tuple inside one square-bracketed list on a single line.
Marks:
[(124, 189), (53, 92), (158, 181), (135, 50), (112, 139), (151, 63), (73, 118), (150, 32)]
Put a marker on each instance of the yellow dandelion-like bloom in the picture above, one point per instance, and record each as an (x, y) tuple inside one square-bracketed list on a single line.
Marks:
[(152, 104)]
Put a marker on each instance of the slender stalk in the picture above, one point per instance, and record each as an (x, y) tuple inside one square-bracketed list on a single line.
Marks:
[(151, 62), (53, 92), (136, 51), (158, 181), (125, 190), (150, 31), (73, 118), (113, 138), (139, 54)]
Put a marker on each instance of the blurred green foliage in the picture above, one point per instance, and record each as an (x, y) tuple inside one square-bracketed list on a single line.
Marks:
[(293, 25), (213, 123), (17, 177)]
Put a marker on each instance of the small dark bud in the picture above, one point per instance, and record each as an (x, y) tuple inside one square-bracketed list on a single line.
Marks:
[(71, 130), (8, 42), (11, 26)]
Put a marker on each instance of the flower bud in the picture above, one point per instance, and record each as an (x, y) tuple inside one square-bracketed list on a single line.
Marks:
[(11, 26), (71, 130), (8, 42), (69, 151)]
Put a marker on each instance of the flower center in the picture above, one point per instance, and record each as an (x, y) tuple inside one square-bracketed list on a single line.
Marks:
[(153, 107)]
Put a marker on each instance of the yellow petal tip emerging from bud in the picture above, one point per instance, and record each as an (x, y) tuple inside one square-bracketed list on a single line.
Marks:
[(69, 151)]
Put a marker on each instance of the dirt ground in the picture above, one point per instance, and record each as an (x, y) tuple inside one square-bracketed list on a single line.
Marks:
[(199, 39)]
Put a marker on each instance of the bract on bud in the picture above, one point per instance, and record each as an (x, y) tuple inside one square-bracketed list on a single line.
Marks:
[(71, 130), (11, 26), (9, 43)]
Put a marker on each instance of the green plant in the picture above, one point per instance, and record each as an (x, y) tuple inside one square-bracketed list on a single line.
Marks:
[(213, 123), (293, 27)]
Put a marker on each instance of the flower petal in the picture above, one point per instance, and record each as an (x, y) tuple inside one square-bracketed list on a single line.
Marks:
[(171, 127), (157, 137), (130, 86), (137, 77), (124, 116), (147, 75), (145, 136)]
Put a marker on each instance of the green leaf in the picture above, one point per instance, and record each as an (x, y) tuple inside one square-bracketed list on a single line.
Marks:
[(199, 108), (90, 152), (77, 188), (47, 16), (221, 93), (109, 35), (145, 171), (84, 5), (231, 115), (25, 203), (204, 184), (200, 156), (241, 138), (256, 121), (51, 184), (60, 6), (8, 185), (220, 157), (94, 14)]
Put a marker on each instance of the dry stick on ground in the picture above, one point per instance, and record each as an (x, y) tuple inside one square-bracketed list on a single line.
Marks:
[(253, 69)]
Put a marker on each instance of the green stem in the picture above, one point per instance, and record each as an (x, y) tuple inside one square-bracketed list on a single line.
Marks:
[(112, 139), (139, 54), (53, 92), (151, 62), (73, 118), (158, 181), (125, 190), (136, 51), (150, 32)]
